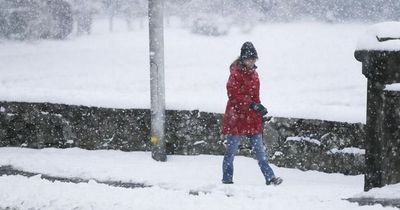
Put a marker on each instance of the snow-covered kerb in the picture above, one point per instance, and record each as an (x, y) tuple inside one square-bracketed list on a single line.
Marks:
[(172, 183), (382, 36)]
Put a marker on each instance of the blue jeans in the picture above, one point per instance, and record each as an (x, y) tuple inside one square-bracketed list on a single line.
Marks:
[(261, 155)]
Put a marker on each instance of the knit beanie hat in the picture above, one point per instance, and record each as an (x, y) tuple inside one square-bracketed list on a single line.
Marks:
[(248, 51)]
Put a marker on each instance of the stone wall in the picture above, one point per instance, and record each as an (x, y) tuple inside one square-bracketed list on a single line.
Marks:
[(296, 143), (318, 145), (40, 125)]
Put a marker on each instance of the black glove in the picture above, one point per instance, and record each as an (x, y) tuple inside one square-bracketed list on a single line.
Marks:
[(259, 108), (266, 118)]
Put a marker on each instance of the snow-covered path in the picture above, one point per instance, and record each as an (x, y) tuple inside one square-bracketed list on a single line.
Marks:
[(171, 183)]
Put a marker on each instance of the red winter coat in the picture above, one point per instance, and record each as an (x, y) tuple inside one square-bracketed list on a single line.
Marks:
[(243, 88)]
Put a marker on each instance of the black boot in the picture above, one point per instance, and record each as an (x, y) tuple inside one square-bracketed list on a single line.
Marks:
[(275, 181), (227, 182)]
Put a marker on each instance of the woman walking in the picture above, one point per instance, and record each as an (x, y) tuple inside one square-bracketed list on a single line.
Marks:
[(244, 113)]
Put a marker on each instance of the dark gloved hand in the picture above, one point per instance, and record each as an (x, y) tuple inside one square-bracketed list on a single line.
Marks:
[(266, 118), (259, 108)]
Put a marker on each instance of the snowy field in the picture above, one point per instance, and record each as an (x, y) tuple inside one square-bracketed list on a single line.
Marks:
[(307, 70), (171, 182)]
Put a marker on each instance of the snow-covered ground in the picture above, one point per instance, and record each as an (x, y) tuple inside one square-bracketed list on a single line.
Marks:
[(307, 70), (171, 183)]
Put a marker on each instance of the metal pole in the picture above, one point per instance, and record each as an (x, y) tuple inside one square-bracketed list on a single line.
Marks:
[(157, 89)]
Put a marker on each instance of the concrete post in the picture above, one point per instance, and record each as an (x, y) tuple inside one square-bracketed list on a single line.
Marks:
[(382, 141), (156, 33)]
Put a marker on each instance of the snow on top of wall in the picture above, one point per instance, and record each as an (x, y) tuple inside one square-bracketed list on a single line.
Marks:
[(393, 87), (300, 138), (348, 150), (381, 36)]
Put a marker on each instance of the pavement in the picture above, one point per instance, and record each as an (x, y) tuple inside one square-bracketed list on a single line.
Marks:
[(10, 170)]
